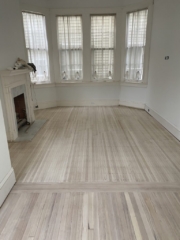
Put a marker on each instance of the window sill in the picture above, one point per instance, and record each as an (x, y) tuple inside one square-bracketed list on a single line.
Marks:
[(69, 82), (75, 84), (40, 83), (89, 83)]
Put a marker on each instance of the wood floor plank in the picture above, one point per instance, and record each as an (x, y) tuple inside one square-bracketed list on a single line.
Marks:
[(96, 187), (35, 217), (95, 144), (87, 215), (94, 173)]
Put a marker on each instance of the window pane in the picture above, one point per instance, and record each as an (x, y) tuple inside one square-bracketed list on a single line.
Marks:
[(36, 44), (70, 47), (102, 46), (103, 62), (41, 59), (135, 46)]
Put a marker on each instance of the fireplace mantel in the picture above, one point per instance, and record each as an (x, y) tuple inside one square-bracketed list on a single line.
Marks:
[(12, 79), (14, 72)]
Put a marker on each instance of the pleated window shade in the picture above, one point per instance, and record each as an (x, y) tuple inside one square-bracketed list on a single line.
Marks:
[(102, 47), (37, 45), (70, 46), (135, 45)]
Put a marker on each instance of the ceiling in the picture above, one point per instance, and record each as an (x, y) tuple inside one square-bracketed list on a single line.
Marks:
[(81, 3)]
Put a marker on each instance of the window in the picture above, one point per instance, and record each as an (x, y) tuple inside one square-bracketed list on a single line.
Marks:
[(70, 47), (135, 45), (36, 45), (102, 46)]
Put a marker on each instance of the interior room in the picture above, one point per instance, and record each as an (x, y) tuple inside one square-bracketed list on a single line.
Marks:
[(89, 119)]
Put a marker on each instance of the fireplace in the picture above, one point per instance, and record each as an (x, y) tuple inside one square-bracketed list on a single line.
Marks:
[(20, 110)]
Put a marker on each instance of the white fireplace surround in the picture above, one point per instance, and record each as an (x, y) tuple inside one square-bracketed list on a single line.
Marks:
[(12, 80)]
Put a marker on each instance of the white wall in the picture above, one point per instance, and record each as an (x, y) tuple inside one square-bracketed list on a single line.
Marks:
[(133, 96), (5, 163), (86, 93), (11, 47), (45, 96), (12, 43), (89, 95), (7, 177), (163, 94)]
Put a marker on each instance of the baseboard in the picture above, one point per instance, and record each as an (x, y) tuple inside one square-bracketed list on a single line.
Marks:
[(77, 103), (171, 128), (48, 104), (132, 104), (6, 185), (88, 103)]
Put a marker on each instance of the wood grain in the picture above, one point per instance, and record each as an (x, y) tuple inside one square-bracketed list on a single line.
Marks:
[(95, 173), (96, 187), (97, 144), (98, 216)]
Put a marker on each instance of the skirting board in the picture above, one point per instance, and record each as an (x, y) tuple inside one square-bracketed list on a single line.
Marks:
[(88, 103), (6, 185), (77, 103), (132, 104), (171, 128)]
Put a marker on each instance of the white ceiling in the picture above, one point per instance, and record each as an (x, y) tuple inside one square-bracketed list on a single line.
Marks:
[(81, 3)]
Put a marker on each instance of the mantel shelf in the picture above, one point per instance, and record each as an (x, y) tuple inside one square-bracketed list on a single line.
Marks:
[(14, 72)]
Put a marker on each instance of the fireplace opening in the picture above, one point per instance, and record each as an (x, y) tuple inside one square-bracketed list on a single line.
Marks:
[(20, 109)]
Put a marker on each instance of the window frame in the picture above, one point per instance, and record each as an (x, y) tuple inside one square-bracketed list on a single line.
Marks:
[(104, 80), (127, 10), (48, 50), (70, 15), (86, 26)]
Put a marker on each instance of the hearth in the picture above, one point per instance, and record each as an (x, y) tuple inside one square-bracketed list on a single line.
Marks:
[(20, 110)]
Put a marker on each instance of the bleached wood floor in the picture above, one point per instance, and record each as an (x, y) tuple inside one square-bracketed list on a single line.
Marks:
[(95, 173), (97, 144)]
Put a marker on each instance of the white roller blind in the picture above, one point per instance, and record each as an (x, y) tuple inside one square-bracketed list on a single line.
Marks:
[(70, 47), (36, 45), (102, 46), (135, 45)]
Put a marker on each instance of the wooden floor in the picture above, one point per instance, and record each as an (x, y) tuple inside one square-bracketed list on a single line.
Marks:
[(97, 144), (95, 173)]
